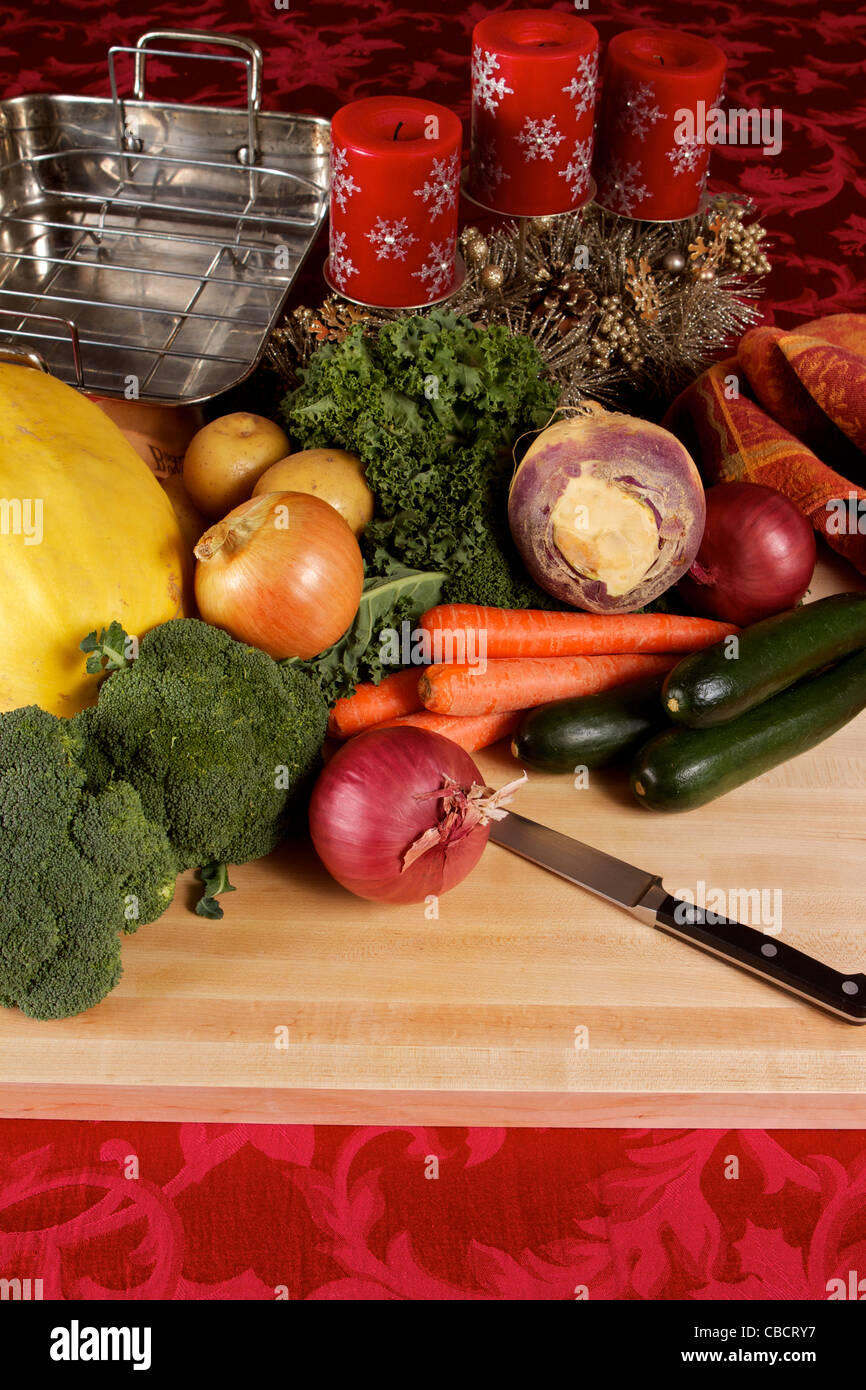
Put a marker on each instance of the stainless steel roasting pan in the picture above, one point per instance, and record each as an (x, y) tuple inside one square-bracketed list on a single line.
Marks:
[(147, 248)]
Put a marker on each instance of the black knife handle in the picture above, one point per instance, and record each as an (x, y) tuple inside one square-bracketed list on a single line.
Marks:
[(774, 960)]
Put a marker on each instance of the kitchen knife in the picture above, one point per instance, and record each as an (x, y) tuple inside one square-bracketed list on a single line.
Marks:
[(643, 895)]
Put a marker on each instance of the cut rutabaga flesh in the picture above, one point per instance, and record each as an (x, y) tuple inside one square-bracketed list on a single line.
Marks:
[(607, 511), (602, 529)]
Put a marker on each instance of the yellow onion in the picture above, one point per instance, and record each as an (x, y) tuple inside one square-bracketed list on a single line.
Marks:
[(282, 572)]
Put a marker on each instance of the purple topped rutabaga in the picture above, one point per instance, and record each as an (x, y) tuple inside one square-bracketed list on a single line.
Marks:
[(606, 510)]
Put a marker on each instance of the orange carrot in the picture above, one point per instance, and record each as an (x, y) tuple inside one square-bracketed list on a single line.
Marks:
[(463, 632), (371, 704), (530, 680), (474, 732)]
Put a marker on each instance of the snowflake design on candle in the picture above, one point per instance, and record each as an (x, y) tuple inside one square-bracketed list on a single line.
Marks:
[(620, 189), (390, 240), (343, 184), (437, 272), (487, 90), (582, 86), (440, 188), (576, 172), (488, 173), (640, 111), (539, 138), (686, 155), (341, 266)]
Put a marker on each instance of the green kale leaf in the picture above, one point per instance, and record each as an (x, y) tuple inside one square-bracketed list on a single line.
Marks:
[(433, 406), (399, 596)]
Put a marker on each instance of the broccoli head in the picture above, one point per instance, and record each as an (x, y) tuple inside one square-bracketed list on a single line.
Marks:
[(219, 741), (77, 868)]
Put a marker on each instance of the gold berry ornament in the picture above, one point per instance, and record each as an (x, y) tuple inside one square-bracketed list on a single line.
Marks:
[(492, 277), (477, 252)]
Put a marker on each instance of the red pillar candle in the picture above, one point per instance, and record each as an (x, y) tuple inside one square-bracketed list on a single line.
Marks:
[(652, 162), (395, 179), (534, 77)]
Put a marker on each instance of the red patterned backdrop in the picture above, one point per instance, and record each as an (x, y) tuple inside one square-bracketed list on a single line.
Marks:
[(188, 1211), (193, 1211)]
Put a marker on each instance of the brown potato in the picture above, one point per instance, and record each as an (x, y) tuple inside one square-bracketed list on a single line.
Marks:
[(332, 474), (226, 458)]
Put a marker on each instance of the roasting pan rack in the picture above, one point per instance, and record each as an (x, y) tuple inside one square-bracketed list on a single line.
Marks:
[(148, 248)]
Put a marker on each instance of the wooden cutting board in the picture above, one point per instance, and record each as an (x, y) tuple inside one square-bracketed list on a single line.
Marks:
[(528, 1001)]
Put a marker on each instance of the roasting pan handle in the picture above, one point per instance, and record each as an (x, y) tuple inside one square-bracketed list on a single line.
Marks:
[(252, 60), (252, 51), (29, 357)]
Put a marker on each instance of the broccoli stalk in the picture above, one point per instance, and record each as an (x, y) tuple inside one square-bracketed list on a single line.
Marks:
[(215, 878)]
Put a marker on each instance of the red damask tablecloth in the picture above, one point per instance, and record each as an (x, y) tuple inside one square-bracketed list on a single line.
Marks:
[(159, 1211)]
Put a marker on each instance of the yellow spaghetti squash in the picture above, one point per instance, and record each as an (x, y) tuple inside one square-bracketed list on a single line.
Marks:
[(86, 535)]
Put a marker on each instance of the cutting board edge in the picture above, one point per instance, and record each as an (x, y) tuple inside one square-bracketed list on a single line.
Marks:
[(570, 1110)]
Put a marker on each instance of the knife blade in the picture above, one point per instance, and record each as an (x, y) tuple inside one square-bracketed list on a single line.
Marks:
[(645, 897)]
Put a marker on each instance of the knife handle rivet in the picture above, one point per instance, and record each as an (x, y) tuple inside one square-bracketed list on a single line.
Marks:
[(850, 987), (768, 949)]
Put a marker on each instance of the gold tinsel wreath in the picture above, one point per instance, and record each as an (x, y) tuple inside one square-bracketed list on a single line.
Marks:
[(616, 308)]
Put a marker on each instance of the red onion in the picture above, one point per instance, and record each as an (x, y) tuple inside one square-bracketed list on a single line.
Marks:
[(401, 813), (756, 558)]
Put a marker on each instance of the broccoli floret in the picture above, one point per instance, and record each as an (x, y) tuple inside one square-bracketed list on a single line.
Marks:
[(219, 741), (114, 832), (77, 867)]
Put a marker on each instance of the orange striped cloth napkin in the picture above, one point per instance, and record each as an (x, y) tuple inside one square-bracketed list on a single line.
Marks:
[(789, 411)]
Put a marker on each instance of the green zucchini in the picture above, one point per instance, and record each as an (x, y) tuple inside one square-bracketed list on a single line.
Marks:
[(590, 730), (683, 768), (724, 681)]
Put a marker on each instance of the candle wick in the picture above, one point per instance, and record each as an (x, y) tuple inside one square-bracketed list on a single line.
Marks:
[(397, 131)]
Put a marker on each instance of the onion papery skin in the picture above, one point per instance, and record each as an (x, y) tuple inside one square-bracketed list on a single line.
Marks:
[(282, 572), (756, 558), (374, 800)]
